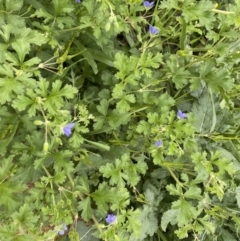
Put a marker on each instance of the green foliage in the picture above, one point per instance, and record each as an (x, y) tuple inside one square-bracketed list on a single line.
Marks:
[(96, 65)]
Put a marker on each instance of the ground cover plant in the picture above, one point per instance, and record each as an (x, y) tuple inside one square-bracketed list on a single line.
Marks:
[(119, 120)]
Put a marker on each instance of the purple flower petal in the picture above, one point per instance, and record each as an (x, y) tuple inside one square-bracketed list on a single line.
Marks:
[(181, 115), (65, 227), (78, 1), (111, 218), (158, 143), (67, 130), (153, 30), (148, 4), (61, 232)]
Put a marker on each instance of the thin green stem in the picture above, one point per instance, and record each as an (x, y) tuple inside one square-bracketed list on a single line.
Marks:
[(160, 234), (50, 176), (45, 120), (71, 180), (71, 29), (221, 11), (96, 222), (47, 172), (174, 176)]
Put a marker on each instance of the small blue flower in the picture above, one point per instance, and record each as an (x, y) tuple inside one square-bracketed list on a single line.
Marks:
[(62, 231), (181, 115), (65, 227), (158, 143), (153, 30), (78, 1), (111, 218), (67, 130), (148, 4)]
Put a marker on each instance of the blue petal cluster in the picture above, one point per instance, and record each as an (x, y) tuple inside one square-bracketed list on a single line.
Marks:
[(148, 4), (111, 218), (63, 230), (67, 130), (153, 30), (158, 143), (181, 115), (78, 1)]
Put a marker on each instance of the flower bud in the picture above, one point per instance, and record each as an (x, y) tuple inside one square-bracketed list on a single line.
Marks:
[(101, 225), (38, 122), (45, 147), (59, 141)]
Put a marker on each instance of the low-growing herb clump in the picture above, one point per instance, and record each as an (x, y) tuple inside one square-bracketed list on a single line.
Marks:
[(119, 120)]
